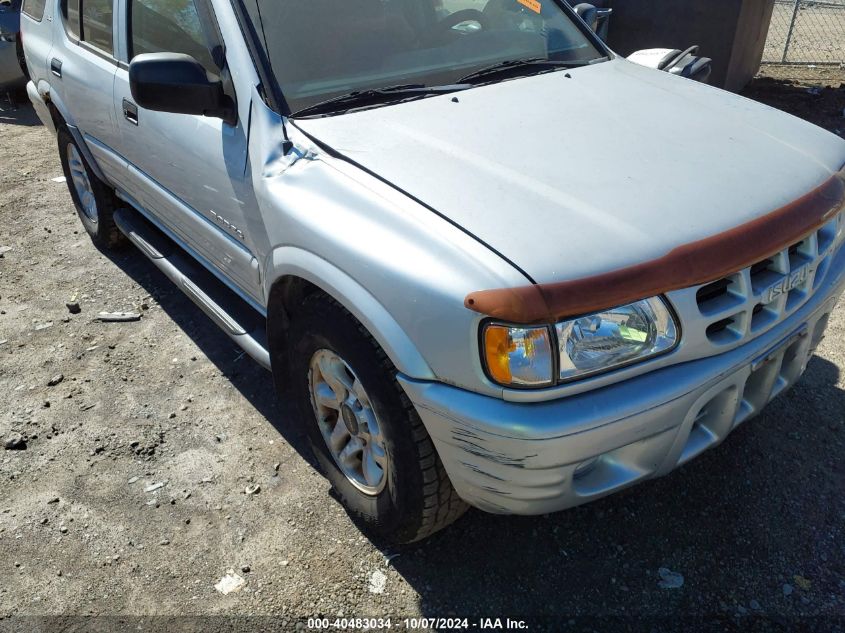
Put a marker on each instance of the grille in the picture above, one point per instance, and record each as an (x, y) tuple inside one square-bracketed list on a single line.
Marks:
[(730, 311)]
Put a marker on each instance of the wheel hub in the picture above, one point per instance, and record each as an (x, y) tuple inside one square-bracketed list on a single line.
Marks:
[(349, 419)]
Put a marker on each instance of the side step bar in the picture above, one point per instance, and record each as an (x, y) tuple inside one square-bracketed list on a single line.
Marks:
[(233, 315)]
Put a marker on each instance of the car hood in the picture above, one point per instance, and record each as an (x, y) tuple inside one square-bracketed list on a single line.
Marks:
[(569, 177)]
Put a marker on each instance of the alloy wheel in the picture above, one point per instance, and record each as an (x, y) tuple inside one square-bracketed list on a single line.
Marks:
[(81, 183), (348, 423)]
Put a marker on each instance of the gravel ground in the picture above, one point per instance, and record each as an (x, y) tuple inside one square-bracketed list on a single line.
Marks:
[(144, 440)]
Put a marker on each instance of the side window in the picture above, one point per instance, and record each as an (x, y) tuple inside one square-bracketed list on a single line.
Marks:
[(34, 8), (70, 13), (168, 26), (97, 23)]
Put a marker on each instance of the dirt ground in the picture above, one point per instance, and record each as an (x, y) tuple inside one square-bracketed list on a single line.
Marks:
[(142, 440), (816, 94)]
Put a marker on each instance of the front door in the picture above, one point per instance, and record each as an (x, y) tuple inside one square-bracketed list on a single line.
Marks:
[(190, 172)]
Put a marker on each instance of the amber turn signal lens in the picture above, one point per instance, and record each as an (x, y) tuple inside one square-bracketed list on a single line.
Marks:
[(497, 348), (517, 356)]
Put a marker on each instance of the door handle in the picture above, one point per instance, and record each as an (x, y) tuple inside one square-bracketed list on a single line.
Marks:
[(130, 112), (56, 67)]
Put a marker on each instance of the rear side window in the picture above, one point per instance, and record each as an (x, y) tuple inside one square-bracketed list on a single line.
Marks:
[(168, 26), (70, 13), (97, 24), (34, 8)]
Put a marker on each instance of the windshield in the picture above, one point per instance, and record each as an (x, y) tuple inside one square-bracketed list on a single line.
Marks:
[(319, 49)]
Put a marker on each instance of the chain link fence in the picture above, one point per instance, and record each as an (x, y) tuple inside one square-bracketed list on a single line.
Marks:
[(807, 32)]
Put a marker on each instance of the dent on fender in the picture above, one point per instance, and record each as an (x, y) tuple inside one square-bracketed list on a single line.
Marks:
[(291, 172), (280, 149), (287, 156)]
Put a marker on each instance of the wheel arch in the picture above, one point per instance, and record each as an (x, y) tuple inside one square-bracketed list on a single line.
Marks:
[(62, 117), (296, 273), (54, 103)]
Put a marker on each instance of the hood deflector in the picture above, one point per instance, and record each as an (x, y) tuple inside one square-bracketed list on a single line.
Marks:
[(688, 265)]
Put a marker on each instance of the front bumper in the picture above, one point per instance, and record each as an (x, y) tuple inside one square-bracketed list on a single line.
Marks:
[(518, 458)]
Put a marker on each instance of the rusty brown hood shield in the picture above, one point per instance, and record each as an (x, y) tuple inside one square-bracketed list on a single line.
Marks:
[(688, 265)]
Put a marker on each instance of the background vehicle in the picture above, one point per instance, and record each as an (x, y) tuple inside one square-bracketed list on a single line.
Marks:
[(13, 73), (369, 197), (597, 16), (684, 63)]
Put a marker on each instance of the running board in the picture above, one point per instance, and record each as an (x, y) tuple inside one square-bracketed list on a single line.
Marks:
[(230, 313)]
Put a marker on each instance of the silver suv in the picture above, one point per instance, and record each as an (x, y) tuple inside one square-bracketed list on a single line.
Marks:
[(491, 262)]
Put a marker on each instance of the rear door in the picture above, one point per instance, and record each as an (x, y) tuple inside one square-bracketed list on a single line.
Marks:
[(190, 172), (37, 21), (82, 65)]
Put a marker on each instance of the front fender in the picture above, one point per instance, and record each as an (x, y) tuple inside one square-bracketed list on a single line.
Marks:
[(395, 264), (296, 262)]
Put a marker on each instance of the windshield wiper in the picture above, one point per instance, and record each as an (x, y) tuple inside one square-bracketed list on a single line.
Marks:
[(537, 64), (376, 96)]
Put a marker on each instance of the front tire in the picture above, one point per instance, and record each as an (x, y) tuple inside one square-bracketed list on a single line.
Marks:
[(366, 435), (95, 203)]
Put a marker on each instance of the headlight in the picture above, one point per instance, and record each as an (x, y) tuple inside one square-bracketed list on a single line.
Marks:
[(522, 357), (614, 338), (518, 356)]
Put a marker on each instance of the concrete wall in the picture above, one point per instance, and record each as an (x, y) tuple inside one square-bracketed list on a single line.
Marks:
[(732, 32)]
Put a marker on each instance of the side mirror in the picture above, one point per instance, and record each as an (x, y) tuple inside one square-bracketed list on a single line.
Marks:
[(173, 82), (589, 13)]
